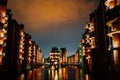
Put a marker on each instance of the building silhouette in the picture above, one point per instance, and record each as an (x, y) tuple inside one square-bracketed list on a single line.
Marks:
[(18, 52), (113, 25)]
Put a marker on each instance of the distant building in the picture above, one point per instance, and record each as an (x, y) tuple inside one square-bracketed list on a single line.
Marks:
[(77, 57), (34, 54), (71, 59), (64, 55), (55, 56), (58, 55), (28, 52), (40, 57), (74, 59)]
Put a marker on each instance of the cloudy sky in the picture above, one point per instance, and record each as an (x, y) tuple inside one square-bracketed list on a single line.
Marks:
[(53, 23)]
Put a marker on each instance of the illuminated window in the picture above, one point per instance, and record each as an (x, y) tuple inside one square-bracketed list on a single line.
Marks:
[(30, 42), (0, 60), (3, 20), (1, 41), (20, 46), (20, 50), (86, 26), (1, 34), (3, 11), (112, 3), (20, 55), (1, 50)]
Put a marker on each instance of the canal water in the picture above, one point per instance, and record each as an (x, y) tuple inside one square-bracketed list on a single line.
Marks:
[(45, 73)]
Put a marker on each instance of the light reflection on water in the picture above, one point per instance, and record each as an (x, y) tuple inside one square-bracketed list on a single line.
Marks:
[(42, 73)]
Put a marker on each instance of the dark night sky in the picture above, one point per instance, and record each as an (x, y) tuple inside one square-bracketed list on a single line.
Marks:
[(53, 23)]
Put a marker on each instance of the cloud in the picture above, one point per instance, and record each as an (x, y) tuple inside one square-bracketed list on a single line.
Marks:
[(53, 22), (46, 15)]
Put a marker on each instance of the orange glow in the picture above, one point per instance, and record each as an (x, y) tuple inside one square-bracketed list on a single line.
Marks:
[(1, 34), (87, 36), (116, 57), (1, 50), (0, 60), (30, 48), (3, 37), (22, 38), (21, 46), (116, 40), (22, 32), (92, 42), (5, 31), (64, 73), (5, 25), (83, 41), (3, 20), (113, 32), (20, 50), (29, 54), (3, 11), (29, 59), (88, 41), (20, 55), (110, 4), (87, 77), (21, 42), (56, 75), (91, 29), (21, 77), (6, 18), (50, 12), (1, 41), (91, 24), (30, 41), (86, 26)]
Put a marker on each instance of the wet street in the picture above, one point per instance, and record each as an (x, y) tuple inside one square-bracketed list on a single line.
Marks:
[(43, 73)]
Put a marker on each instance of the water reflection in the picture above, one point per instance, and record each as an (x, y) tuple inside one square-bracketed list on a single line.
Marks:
[(61, 73), (35, 74), (57, 74)]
